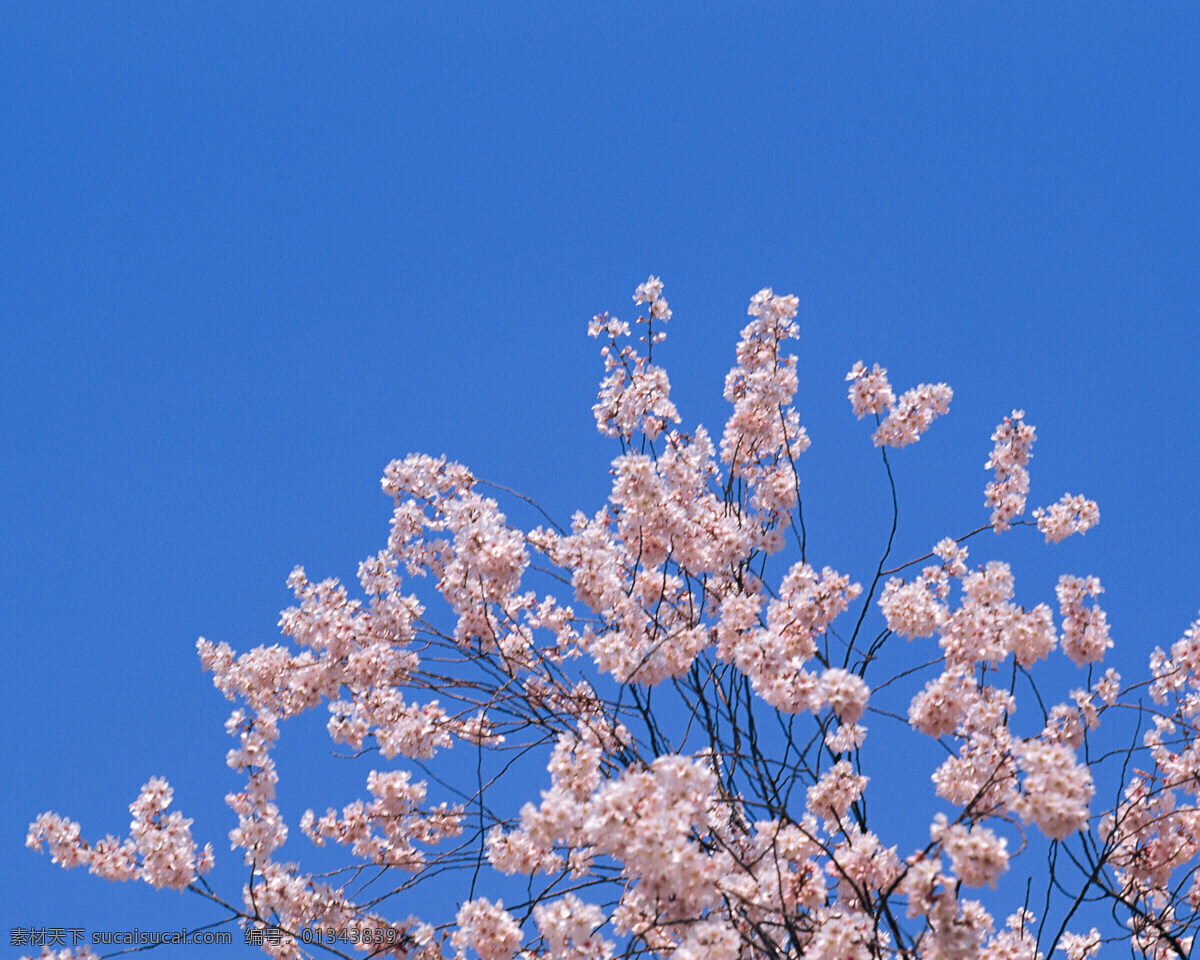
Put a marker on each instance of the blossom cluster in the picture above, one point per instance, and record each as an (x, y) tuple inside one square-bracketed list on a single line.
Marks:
[(1010, 460), (160, 849), (904, 419)]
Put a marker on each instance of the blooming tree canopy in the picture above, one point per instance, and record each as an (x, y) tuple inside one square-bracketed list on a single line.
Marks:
[(694, 690)]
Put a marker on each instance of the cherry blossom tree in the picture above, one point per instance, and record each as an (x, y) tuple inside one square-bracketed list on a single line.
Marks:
[(693, 689)]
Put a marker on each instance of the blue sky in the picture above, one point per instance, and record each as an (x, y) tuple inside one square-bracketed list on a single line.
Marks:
[(251, 253)]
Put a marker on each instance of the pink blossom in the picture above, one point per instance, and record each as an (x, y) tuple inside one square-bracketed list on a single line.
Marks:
[(1070, 515), (830, 797), (1056, 789), (515, 852), (912, 415), (1017, 940), (988, 626), (1108, 687), (870, 392), (763, 436), (1010, 456), (486, 928), (1080, 946), (160, 851), (977, 855), (62, 838), (569, 927), (635, 394), (912, 609), (1085, 631), (163, 840), (848, 736), (709, 940), (861, 862), (937, 709), (842, 936), (845, 693), (907, 418)]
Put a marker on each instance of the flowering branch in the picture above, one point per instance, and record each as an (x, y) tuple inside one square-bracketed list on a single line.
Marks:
[(709, 790)]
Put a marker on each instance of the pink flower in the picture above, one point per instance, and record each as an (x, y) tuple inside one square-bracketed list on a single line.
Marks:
[(1080, 946), (1010, 456), (1085, 631), (870, 392), (1056, 790), (486, 928), (1070, 515), (569, 927), (912, 609), (846, 693), (161, 850), (977, 855), (908, 417), (830, 797)]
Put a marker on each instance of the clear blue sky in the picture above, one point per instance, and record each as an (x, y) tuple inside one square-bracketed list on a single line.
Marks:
[(252, 252)]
